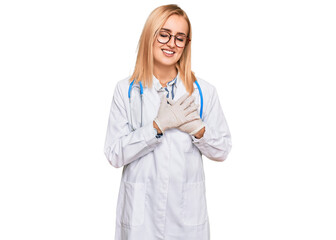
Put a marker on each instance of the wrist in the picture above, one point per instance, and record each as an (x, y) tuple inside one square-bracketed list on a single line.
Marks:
[(157, 127), (200, 133)]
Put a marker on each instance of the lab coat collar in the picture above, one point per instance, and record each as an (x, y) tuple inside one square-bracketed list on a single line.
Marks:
[(158, 86), (179, 82)]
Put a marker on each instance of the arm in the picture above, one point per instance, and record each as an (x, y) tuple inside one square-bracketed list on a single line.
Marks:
[(214, 140), (121, 145)]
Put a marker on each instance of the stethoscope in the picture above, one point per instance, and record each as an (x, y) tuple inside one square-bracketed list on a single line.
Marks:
[(141, 100)]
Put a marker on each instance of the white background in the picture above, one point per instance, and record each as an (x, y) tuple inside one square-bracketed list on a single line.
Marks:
[(272, 62)]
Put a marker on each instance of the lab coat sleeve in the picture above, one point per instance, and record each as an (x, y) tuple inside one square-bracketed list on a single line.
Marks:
[(216, 141), (123, 146)]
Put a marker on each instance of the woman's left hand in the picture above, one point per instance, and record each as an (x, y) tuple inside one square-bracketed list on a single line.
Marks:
[(194, 126)]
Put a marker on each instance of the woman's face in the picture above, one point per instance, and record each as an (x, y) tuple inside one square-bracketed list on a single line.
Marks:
[(175, 24)]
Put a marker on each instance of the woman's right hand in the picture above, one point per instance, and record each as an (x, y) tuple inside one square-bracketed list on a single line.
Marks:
[(172, 114)]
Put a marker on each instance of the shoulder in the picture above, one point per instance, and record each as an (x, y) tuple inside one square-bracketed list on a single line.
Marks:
[(209, 93), (206, 86), (122, 85)]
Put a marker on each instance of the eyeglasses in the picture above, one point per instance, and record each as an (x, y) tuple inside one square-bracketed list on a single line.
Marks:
[(180, 40)]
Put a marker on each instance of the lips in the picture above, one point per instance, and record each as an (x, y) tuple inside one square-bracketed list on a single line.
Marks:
[(168, 51)]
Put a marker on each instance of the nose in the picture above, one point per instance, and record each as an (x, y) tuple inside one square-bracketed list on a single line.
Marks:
[(171, 42)]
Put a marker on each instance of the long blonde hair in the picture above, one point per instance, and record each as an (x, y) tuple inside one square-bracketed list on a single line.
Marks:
[(143, 70)]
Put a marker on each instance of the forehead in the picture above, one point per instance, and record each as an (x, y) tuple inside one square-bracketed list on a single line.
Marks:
[(176, 24)]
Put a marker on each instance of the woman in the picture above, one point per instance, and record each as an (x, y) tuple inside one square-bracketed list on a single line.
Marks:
[(162, 190)]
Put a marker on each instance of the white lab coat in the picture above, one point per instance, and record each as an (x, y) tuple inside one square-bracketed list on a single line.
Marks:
[(162, 191)]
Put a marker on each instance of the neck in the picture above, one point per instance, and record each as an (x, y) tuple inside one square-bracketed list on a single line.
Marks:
[(164, 73)]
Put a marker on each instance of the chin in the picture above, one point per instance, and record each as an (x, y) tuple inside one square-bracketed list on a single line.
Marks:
[(167, 63)]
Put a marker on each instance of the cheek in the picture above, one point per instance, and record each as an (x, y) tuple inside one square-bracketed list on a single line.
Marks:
[(156, 48), (179, 53), (156, 51)]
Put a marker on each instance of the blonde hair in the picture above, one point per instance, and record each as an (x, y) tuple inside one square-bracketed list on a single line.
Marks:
[(143, 70)]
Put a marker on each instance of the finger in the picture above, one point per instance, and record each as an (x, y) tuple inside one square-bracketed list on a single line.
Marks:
[(194, 104), (189, 110), (192, 113), (181, 99), (187, 102), (192, 117)]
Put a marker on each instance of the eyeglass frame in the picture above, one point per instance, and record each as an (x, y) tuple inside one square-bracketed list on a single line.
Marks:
[(174, 35)]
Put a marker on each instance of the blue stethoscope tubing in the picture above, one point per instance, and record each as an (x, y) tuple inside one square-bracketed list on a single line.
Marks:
[(141, 94)]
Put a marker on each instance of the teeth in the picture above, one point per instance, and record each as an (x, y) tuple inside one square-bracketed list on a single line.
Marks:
[(169, 52)]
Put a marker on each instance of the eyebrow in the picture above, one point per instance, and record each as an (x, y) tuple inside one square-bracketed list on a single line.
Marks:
[(168, 30)]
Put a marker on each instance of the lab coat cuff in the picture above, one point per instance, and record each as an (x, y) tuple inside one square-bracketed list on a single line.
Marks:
[(149, 134)]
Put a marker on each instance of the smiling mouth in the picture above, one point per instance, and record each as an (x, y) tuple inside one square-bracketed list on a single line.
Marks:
[(167, 52)]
